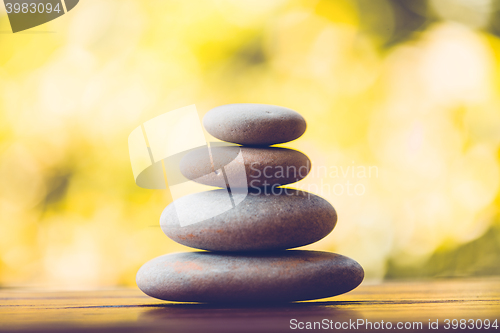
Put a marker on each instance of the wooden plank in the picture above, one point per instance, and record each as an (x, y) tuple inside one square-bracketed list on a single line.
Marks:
[(126, 310)]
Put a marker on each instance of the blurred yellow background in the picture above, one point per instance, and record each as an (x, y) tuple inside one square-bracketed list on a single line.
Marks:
[(408, 88)]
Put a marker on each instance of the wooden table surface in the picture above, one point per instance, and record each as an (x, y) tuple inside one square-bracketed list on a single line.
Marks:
[(128, 310)]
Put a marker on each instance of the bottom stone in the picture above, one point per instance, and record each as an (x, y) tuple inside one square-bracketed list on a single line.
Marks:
[(282, 276)]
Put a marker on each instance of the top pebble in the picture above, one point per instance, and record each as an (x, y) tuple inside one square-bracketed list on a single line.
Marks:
[(254, 124)]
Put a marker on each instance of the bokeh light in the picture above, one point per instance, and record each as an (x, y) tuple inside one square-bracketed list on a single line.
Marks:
[(408, 91)]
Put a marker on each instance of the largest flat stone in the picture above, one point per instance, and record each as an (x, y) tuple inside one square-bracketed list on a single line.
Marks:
[(264, 220), (254, 124), (240, 278)]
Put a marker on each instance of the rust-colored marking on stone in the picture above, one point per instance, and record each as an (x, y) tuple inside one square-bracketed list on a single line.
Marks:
[(183, 267)]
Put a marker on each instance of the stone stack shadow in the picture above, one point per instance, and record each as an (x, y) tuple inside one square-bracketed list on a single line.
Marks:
[(248, 225)]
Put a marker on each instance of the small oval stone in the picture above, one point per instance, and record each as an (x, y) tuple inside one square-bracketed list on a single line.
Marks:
[(254, 124), (268, 219), (281, 276), (262, 166)]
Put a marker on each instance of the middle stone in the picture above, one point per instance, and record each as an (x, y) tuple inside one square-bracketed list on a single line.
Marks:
[(263, 220), (263, 166)]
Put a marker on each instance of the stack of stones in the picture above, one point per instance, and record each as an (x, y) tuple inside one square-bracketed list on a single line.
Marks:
[(247, 258)]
